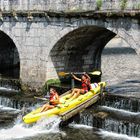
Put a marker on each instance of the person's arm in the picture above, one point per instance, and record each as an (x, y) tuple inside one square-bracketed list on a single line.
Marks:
[(88, 76), (76, 78)]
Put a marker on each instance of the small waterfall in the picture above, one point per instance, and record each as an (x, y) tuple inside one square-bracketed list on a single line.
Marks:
[(114, 114), (20, 103), (20, 130), (9, 85), (114, 136), (98, 134), (132, 105), (127, 128), (14, 103)]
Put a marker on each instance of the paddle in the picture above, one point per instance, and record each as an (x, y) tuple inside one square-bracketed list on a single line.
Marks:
[(67, 73), (44, 99)]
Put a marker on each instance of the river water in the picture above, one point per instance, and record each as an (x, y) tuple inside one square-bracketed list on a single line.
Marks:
[(117, 117)]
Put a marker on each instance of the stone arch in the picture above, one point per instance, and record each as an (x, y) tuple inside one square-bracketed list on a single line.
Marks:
[(120, 62), (9, 57), (128, 37), (79, 50)]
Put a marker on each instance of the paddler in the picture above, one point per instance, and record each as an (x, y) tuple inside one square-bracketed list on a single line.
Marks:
[(85, 83), (53, 101)]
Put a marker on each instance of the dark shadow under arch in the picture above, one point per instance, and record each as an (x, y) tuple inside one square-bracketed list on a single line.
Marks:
[(9, 57), (81, 49)]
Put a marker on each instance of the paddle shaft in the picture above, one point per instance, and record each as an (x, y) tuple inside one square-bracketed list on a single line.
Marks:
[(67, 73), (72, 83), (44, 99)]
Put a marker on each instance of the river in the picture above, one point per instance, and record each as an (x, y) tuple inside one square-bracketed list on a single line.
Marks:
[(117, 117)]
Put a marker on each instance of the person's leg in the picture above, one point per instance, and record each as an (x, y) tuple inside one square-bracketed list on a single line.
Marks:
[(72, 94), (78, 93), (82, 91), (46, 107), (43, 107), (74, 91)]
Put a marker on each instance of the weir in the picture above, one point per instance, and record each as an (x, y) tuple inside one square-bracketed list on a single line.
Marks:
[(9, 84), (111, 115)]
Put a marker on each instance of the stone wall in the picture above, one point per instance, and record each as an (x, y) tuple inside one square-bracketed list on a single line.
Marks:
[(35, 40), (68, 5), (47, 46)]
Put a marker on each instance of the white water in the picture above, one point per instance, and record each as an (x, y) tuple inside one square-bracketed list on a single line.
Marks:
[(116, 136), (105, 134), (8, 108), (4, 88), (7, 89), (119, 110), (19, 130), (78, 126)]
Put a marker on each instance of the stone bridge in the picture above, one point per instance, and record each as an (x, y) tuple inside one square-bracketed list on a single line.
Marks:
[(42, 37)]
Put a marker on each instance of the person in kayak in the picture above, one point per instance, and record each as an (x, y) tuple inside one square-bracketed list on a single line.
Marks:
[(86, 86), (53, 100)]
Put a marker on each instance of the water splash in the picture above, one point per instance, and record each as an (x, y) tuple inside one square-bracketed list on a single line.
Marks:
[(20, 130)]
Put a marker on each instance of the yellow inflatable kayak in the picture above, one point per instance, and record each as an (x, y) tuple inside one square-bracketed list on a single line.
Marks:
[(69, 104)]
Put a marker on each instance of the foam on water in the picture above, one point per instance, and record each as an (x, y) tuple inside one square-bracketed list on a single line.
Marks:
[(20, 130), (107, 135)]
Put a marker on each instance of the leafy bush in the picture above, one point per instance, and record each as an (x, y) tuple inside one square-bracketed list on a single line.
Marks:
[(99, 4), (123, 4), (51, 82)]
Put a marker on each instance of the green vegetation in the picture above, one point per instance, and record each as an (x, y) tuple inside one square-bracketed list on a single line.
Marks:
[(99, 4), (51, 82), (109, 14), (123, 4), (136, 6)]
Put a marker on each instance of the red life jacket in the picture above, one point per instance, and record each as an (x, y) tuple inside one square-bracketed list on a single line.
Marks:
[(52, 98), (86, 85)]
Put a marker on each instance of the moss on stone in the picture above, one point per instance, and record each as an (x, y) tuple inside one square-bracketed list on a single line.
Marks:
[(51, 82)]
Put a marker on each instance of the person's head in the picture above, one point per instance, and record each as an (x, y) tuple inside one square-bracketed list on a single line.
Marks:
[(84, 77), (52, 90)]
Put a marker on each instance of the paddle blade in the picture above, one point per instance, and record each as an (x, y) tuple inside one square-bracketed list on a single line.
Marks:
[(96, 73), (62, 73)]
